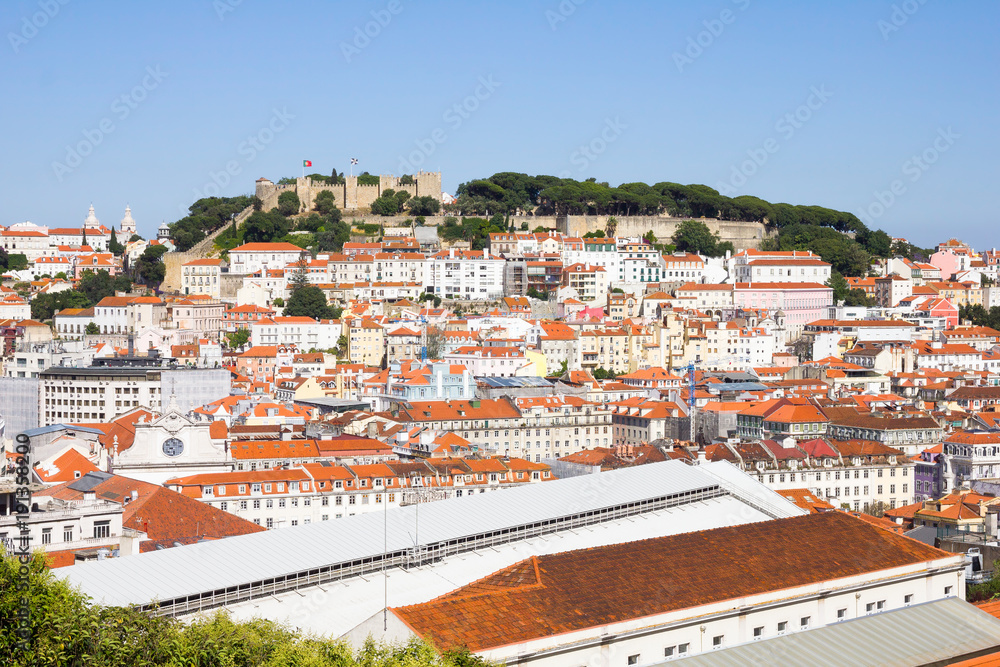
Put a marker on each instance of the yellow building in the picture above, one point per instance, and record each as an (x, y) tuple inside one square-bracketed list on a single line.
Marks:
[(365, 342)]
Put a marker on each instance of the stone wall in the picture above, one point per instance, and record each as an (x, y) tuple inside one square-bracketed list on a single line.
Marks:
[(174, 260), (743, 235), (349, 195)]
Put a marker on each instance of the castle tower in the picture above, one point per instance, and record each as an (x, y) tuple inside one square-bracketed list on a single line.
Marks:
[(128, 224), (91, 222)]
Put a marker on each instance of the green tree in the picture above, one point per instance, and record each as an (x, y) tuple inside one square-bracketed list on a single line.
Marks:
[(300, 275), (288, 203), (535, 294), (96, 286), (263, 227), (114, 246), (44, 306), (122, 283), (839, 284), (206, 216), (388, 202), (858, 297), (67, 629), (326, 203), (236, 340), (149, 267), (308, 301), (425, 205), (563, 368), (333, 239), (694, 236), (92, 329), (17, 262)]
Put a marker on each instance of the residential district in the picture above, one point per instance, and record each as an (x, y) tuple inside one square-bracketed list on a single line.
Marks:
[(553, 450)]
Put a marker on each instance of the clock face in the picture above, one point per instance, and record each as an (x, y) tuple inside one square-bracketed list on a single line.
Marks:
[(173, 447)]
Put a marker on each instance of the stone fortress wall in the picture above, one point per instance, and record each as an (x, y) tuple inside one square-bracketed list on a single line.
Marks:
[(349, 195), (743, 235)]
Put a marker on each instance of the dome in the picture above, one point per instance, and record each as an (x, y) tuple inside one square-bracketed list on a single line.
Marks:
[(91, 221), (128, 222)]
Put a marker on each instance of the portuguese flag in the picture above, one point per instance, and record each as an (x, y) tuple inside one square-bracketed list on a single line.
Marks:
[(307, 163)]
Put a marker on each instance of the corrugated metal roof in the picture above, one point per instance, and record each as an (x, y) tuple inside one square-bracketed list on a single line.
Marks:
[(190, 570), (943, 630)]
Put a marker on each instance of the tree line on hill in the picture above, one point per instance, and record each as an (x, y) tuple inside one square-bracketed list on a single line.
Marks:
[(67, 629), (839, 237)]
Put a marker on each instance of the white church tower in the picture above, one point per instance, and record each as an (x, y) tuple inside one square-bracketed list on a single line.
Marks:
[(91, 222), (128, 225)]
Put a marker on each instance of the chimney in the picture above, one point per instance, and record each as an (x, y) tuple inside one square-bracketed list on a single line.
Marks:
[(135, 495), (372, 429)]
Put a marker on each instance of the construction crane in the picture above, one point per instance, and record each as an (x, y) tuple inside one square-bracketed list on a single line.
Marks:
[(692, 407)]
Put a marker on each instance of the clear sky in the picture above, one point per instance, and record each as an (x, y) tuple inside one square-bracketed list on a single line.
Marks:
[(828, 103)]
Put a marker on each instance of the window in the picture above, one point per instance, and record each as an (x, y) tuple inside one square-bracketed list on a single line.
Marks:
[(224, 506), (907, 599), (758, 632), (782, 626), (102, 529), (717, 641), (243, 504), (682, 649), (46, 536), (804, 623), (841, 614), (669, 651), (269, 522), (256, 504), (633, 659), (947, 590), (870, 607)]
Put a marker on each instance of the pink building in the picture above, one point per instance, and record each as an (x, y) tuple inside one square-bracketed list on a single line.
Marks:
[(948, 262), (801, 302)]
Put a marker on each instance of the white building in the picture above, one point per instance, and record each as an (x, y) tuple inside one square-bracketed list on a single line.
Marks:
[(303, 332), (202, 276), (468, 274), (260, 257)]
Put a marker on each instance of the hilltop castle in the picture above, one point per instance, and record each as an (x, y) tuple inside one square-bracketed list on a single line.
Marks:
[(349, 195)]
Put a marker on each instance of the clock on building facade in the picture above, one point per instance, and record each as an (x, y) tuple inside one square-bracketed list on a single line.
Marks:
[(173, 447)]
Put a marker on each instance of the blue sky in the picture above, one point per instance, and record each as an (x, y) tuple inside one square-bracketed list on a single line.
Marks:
[(808, 103)]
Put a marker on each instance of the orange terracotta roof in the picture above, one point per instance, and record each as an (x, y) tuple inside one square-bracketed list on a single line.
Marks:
[(560, 593)]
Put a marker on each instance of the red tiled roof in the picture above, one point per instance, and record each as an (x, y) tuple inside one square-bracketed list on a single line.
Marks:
[(576, 590)]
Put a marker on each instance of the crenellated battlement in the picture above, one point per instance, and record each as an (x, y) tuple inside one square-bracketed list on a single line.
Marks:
[(350, 195)]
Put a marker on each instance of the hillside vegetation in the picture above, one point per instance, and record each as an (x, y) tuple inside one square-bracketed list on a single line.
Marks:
[(66, 629), (838, 237)]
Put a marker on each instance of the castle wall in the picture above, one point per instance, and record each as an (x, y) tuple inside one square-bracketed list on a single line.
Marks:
[(350, 195), (743, 235)]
